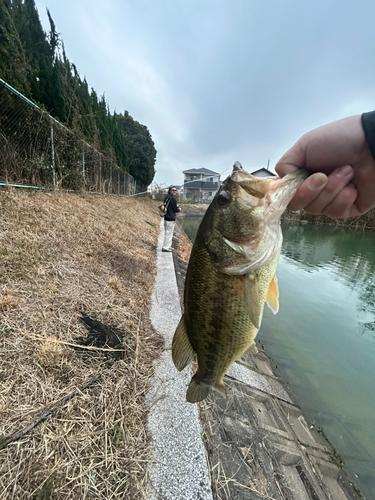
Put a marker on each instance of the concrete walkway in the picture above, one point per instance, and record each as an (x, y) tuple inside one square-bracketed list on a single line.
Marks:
[(180, 470)]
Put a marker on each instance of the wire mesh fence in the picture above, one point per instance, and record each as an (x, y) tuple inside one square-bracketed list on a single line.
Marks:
[(38, 151)]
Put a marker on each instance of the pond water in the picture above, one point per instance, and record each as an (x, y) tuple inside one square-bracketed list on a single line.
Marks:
[(323, 338)]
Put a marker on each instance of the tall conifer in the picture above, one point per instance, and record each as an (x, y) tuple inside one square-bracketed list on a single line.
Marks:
[(31, 61)]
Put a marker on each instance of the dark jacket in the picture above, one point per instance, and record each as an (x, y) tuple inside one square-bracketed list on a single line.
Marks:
[(172, 209), (368, 122)]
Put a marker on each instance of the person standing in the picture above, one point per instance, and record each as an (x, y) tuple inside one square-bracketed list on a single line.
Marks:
[(170, 218)]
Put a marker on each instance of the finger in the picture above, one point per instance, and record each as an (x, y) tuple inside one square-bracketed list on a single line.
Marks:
[(284, 169), (336, 183), (343, 205), (308, 191), (292, 159)]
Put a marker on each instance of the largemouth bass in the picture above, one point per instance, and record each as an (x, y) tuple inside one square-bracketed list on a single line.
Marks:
[(231, 275)]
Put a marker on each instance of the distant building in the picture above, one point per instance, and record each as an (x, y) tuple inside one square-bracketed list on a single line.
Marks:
[(263, 172), (200, 184)]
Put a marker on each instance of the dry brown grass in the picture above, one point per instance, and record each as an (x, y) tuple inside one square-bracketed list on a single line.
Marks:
[(184, 247), (115, 284), (62, 255), (7, 301)]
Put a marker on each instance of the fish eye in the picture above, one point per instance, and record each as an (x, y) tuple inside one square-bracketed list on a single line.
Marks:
[(224, 198)]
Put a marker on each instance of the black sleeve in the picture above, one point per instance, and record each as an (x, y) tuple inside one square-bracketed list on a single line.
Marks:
[(368, 123), (173, 204)]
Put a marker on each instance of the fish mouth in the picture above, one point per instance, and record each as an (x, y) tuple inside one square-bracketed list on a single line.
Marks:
[(282, 190), (273, 193), (297, 176), (254, 186)]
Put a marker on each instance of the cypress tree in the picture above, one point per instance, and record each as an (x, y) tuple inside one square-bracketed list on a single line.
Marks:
[(32, 61), (13, 64)]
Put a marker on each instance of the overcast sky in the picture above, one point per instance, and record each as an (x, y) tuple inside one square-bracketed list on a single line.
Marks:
[(217, 81)]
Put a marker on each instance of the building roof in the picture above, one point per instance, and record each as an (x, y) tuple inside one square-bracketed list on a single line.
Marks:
[(200, 171), (262, 172)]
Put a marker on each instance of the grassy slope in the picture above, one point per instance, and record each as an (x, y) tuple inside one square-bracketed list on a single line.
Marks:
[(62, 255)]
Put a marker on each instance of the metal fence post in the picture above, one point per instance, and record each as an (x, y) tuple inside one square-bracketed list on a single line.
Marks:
[(110, 179), (53, 159), (100, 173), (83, 164)]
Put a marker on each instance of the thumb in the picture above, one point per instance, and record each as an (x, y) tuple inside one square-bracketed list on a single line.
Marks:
[(294, 158)]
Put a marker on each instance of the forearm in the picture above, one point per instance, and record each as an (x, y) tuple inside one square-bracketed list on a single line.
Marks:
[(368, 123)]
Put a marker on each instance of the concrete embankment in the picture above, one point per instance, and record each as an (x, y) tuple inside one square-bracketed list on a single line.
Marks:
[(257, 442)]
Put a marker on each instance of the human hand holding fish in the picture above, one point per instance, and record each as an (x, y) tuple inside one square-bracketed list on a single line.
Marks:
[(231, 275), (344, 182)]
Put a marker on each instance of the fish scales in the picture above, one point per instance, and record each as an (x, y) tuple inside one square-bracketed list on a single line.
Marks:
[(230, 276)]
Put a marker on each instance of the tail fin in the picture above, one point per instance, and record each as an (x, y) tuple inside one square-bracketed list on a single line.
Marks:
[(197, 392)]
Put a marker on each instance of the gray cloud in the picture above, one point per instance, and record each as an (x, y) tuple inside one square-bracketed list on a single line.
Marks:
[(219, 81)]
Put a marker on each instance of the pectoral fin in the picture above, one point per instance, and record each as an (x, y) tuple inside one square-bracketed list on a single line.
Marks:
[(272, 298), (252, 298), (182, 350)]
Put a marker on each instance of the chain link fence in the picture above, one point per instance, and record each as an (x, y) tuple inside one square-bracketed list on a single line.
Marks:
[(38, 151)]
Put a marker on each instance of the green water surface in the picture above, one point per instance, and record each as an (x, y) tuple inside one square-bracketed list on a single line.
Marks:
[(323, 338)]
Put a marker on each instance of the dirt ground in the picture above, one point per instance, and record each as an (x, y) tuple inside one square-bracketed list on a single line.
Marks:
[(76, 344)]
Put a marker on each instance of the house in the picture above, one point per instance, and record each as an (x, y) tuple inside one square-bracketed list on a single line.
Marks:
[(200, 184), (263, 172)]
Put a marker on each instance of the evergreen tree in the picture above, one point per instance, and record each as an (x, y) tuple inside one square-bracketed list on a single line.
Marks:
[(141, 148), (37, 50), (13, 64), (32, 62)]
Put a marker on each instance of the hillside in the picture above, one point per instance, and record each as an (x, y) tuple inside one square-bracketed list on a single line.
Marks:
[(75, 269)]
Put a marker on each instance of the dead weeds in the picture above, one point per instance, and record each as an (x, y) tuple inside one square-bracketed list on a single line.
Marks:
[(184, 248), (64, 257), (7, 301), (184, 244)]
